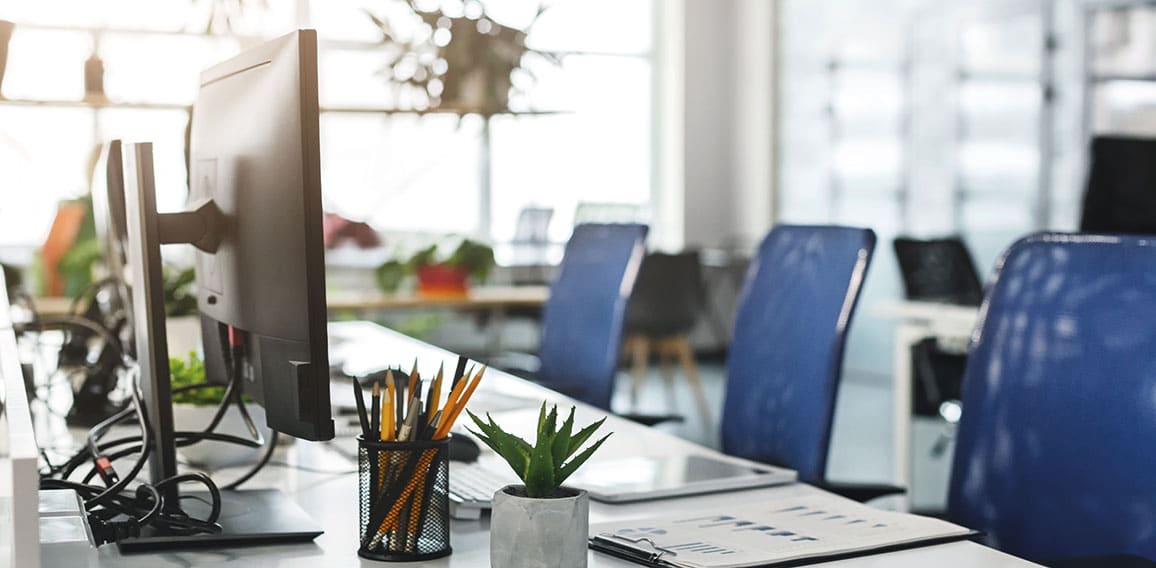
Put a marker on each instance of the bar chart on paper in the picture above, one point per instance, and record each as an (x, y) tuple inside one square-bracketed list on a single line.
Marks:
[(780, 531)]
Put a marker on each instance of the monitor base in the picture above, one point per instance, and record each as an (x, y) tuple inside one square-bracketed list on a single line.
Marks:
[(248, 518)]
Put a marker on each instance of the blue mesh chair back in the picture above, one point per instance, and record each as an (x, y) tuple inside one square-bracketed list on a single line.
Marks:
[(787, 351), (1056, 449), (582, 320)]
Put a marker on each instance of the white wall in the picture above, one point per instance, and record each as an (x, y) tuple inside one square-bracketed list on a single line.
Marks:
[(726, 87)]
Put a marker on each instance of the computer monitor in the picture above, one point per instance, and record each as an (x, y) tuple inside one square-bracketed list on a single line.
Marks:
[(254, 216), (254, 153)]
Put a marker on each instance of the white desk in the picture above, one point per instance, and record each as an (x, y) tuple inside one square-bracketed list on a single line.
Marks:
[(952, 325), (332, 498)]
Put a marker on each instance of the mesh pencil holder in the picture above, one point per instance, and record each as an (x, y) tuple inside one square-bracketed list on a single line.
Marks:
[(403, 488)]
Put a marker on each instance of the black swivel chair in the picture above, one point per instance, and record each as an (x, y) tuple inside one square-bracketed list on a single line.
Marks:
[(666, 303)]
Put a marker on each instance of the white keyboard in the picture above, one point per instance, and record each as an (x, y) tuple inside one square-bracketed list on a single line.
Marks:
[(472, 486)]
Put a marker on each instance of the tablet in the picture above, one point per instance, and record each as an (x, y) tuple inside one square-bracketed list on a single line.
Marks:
[(656, 477)]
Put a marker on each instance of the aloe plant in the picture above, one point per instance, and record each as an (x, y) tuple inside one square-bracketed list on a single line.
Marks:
[(542, 467)]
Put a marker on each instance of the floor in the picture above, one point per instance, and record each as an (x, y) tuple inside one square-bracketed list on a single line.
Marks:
[(861, 445)]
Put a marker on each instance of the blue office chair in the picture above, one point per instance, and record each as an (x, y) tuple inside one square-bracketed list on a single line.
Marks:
[(1056, 449), (582, 320), (787, 351)]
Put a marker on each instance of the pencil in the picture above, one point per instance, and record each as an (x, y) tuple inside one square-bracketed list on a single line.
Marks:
[(406, 433), (388, 428), (435, 394), (400, 403), (459, 371), (413, 379), (460, 405), (452, 399), (375, 411), (362, 414)]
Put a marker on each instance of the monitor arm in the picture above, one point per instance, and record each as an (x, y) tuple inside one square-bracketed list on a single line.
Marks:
[(200, 226)]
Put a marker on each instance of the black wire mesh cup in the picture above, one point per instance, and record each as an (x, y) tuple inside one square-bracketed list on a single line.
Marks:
[(403, 488)]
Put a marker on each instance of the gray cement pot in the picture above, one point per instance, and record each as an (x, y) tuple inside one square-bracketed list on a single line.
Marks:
[(537, 533)]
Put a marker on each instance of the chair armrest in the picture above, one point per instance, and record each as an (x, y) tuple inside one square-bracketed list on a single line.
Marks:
[(861, 492)]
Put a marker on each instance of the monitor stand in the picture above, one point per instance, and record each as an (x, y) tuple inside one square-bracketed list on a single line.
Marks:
[(247, 517), (253, 517)]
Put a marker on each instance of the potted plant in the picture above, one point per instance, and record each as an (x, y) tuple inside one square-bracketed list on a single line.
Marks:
[(541, 522), (440, 276), (456, 58), (193, 410)]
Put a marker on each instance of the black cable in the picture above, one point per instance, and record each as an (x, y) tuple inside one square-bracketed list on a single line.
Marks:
[(93, 288), (82, 456), (63, 322)]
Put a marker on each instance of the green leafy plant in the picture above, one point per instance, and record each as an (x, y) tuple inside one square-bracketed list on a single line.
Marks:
[(542, 467), (189, 372), (477, 258), (180, 297)]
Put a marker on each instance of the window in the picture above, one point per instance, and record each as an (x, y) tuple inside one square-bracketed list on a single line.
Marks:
[(585, 134)]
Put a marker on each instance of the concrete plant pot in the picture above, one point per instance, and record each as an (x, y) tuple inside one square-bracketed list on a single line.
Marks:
[(531, 533)]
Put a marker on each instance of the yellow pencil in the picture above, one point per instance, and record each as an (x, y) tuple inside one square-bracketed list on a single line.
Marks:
[(459, 405), (388, 428), (413, 380)]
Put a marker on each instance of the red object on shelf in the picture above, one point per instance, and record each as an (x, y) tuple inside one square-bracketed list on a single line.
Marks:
[(442, 280)]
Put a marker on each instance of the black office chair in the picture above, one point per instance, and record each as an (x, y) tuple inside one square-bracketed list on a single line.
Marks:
[(1120, 196), (938, 270), (666, 303)]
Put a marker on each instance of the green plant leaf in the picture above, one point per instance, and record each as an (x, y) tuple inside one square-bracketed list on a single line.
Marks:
[(539, 480), (514, 450), (583, 435), (567, 470), (561, 445)]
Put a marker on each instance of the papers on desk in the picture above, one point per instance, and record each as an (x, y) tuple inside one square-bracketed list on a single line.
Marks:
[(793, 530)]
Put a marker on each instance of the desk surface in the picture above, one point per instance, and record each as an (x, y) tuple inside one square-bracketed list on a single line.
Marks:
[(331, 498), (481, 297)]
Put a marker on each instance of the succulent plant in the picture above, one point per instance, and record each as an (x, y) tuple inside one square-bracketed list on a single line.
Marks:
[(542, 467)]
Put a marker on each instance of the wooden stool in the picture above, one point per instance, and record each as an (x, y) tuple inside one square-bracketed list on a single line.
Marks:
[(668, 349)]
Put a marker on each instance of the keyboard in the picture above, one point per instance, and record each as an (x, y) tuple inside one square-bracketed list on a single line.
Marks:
[(472, 486)]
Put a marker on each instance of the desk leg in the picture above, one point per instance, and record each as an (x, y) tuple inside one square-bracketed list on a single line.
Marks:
[(906, 336)]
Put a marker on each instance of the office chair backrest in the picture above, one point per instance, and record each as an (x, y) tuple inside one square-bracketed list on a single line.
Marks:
[(787, 351), (1056, 449), (582, 320), (1121, 193), (938, 270), (668, 296)]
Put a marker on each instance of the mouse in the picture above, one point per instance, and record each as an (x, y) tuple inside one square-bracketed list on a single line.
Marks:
[(464, 449)]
